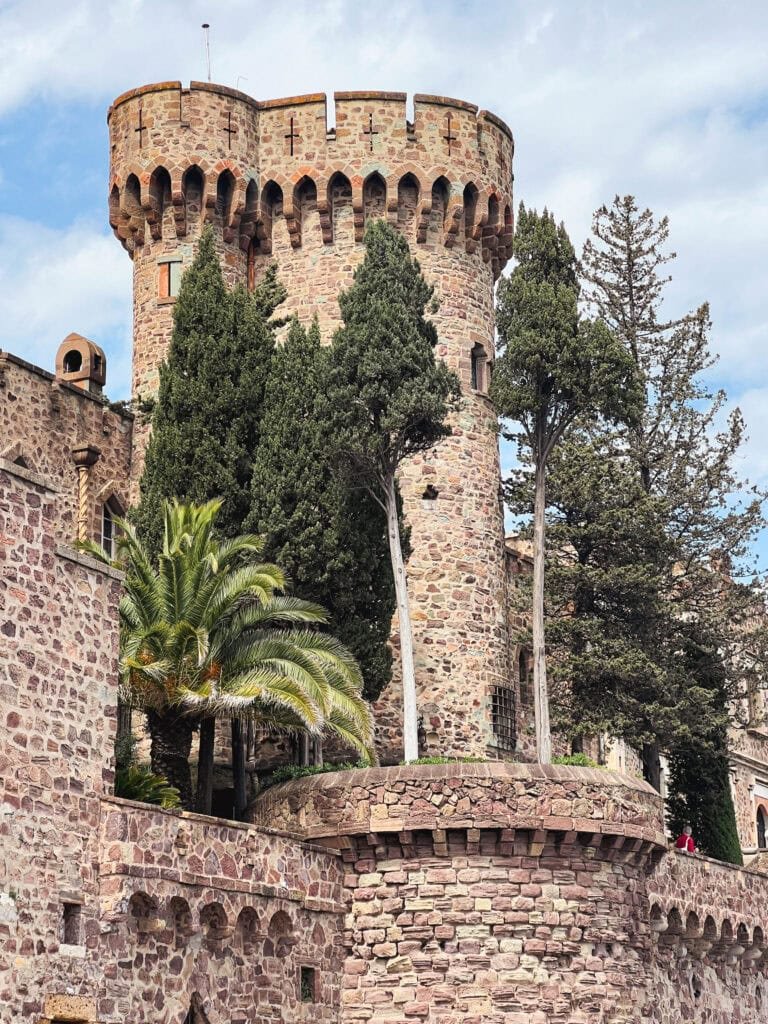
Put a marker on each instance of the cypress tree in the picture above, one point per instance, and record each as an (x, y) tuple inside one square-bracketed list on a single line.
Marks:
[(329, 537), (699, 781), (205, 424)]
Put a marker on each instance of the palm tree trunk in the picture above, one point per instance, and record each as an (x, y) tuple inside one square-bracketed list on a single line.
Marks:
[(238, 769), (205, 765), (171, 742), (410, 716), (541, 696)]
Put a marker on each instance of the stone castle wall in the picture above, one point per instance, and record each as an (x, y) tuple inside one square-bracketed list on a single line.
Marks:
[(42, 420), (709, 962), (224, 912), (58, 689), (109, 910), (520, 893), (277, 183)]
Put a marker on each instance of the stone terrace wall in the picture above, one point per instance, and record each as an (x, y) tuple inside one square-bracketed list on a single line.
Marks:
[(225, 912), (58, 690), (709, 955), (487, 892)]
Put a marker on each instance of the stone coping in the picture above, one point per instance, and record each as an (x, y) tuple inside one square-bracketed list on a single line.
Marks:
[(84, 559), (382, 775), (309, 98), (31, 477), (473, 796), (712, 862), (207, 821)]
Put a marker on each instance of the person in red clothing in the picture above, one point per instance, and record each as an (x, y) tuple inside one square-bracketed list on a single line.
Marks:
[(685, 841)]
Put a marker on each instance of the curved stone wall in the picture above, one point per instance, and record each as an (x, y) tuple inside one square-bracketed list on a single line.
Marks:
[(486, 892)]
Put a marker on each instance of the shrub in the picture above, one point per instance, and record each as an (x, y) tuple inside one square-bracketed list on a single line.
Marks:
[(138, 782), (289, 772), (446, 760), (577, 761)]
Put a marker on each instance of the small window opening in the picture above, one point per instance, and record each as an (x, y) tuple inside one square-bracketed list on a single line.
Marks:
[(503, 716), (73, 361), (169, 280), (110, 531), (761, 823), (696, 987), (21, 461), (525, 676), (430, 493), (479, 361), (96, 363), (308, 985), (70, 924)]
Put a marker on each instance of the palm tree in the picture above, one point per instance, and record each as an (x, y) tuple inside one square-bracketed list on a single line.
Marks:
[(208, 632)]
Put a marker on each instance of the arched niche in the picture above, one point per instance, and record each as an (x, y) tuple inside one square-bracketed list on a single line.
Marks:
[(340, 207), (374, 197), (407, 203), (160, 201), (471, 196), (441, 191)]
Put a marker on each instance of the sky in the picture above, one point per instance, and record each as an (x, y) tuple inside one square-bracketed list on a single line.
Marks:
[(663, 99)]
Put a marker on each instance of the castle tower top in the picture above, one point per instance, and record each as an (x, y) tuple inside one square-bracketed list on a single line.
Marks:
[(233, 154)]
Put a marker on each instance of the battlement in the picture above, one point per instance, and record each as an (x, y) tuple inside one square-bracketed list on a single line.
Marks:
[(181, 157)]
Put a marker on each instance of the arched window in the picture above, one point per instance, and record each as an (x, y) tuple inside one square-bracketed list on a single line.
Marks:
[(73, 361), (761, 840)]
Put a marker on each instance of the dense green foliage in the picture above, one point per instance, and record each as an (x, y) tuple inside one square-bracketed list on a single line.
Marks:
[(387, 398), (648, 522), (699, 791), (576, 761), (205, 425), (555, 367), (205, 632), (139, 782), (328, 535), (289, 772)]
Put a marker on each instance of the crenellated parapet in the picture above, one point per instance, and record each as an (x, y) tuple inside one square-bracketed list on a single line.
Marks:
[(208, 154)]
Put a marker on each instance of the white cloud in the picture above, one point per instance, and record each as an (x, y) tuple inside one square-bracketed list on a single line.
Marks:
[(665, 100), (53, 282)]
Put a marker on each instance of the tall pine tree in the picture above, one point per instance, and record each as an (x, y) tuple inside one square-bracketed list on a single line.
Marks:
[(659, 523), (330, 537), (388, 398), (554, 367)]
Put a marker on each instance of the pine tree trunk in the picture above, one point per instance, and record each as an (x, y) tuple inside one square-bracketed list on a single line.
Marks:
[(205, 765), (238, 769), (410, 717), (171, 742), (541, 696)]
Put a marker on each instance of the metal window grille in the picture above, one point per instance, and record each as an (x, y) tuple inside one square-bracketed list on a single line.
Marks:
[(503, 716)]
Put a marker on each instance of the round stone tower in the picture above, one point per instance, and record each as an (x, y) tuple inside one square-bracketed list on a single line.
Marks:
[(279, 184)]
